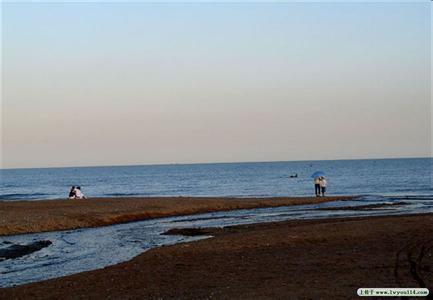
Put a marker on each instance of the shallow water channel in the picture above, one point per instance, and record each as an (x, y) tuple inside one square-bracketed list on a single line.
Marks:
[(75, 251)]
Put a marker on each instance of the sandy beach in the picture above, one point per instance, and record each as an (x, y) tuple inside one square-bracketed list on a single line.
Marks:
[(18, 217), (328, 259)]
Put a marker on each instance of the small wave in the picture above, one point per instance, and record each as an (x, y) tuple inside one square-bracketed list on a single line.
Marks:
[(20, 196), (127, 194), (368, 198), (414, 190), (200, 219), (413, 197), (11, 185)]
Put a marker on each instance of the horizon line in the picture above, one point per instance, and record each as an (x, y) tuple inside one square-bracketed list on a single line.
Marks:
[(212, 163)]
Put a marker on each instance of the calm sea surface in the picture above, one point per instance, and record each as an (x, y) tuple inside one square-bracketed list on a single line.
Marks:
[(399, 177)]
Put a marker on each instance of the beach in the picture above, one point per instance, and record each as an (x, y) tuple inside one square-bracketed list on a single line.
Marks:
[(17, 217), (329, 259)]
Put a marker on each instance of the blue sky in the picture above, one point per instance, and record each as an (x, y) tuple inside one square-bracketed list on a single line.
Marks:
[(163, 83)]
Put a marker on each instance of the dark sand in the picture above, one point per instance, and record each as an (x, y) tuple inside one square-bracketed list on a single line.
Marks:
[(51, 215), (310, 259)]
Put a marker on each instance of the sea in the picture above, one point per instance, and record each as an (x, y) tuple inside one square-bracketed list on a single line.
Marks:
[(385, 177), (385, 187)]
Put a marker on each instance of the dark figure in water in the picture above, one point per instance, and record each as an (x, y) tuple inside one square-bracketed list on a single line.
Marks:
[(317, 186), (72, 193), (294, 176)]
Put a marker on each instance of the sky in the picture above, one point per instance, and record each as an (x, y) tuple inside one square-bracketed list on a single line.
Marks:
[(87, 84)]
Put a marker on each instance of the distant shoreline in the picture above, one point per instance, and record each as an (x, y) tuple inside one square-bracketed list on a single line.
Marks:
[(20, 217), (209, 163)]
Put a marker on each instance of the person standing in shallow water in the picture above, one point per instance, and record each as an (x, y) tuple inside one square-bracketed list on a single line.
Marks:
[(317, 186), (323, 185)]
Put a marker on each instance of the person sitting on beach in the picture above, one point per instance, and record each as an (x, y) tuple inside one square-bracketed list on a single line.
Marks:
[(79, 194), (72, 193), (323, 185)]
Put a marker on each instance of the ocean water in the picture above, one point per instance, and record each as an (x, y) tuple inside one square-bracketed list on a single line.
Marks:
[(398, 177)]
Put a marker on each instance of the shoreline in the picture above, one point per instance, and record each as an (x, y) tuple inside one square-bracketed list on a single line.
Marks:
[(21, 217), (321, 258)]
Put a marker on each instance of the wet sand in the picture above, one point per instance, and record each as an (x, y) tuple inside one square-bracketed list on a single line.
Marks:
[(370, 207), (313, 259), (51, 215)]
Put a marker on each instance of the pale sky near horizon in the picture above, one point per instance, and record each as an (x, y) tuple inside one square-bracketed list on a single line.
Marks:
[(142, 83)]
